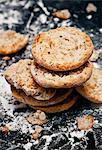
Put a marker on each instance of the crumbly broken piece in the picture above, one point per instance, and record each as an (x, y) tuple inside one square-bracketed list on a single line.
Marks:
[(85, 122), (38, 128), (4, 129), (6, 58), (35, 135), (62, 14), (38, 118), (91, 7), (37, 132)]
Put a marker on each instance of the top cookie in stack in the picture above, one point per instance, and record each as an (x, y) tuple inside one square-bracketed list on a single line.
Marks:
[(61, 58)]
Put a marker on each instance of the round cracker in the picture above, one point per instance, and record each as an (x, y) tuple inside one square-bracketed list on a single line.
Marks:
[(62, 49), (66, 79), (11, 42), (65, 105), (92, 89), (19, 75), (59, 97)]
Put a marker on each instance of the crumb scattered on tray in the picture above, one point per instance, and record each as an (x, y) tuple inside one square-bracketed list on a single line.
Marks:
[(62, 14), (4, 130), (91, 7), (85, 122), (6, 58), (35, 135), (37, 132), (38, 128), (38, 118)]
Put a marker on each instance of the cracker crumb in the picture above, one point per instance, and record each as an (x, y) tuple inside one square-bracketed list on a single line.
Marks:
[(85, 122), (42, 116), (62, 14), (91, 7), (38, 128), (37, 132), (38, 118), (35, 135), (6, 58), (4, 129)]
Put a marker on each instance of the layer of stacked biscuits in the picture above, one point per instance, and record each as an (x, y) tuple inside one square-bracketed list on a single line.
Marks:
[(61, 64)]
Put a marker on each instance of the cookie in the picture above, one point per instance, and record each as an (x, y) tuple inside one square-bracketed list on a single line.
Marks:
[(92, 89), (22, 97), (19, 75), (65, 105), (62, 49), (66, 79), (11, 42)]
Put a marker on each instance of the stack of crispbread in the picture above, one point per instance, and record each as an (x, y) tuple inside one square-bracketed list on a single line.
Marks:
[(61, 63)]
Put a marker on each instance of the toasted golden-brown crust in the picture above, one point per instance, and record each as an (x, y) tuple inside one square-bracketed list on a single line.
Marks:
[(66, 79), (11, 42), (59, 97), (62, 49), (19, 75), (92, 89), (65, 105)]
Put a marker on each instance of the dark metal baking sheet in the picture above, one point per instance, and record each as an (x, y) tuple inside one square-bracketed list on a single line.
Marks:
[(61, 133)]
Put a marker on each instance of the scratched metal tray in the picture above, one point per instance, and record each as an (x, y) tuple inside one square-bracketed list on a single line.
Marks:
[(61, 133)]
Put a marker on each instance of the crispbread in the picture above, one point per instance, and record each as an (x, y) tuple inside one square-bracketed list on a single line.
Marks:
[(65, 105), (19, 75), (11, 42), (62, 49), (92, 89), (59, 97), (66, 79)]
